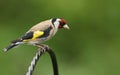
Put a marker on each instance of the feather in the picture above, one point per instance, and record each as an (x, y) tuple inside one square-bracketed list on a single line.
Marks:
[(13, 44), (30, 36)]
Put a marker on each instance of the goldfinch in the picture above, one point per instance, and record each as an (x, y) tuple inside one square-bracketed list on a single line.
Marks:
[(40, 33)]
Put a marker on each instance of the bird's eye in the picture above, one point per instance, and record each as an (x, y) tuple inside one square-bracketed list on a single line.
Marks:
[(62, 23)]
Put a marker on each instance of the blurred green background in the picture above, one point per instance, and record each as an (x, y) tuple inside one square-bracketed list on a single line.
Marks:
[(90, 47)]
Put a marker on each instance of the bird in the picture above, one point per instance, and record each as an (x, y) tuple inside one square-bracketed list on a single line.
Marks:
[(39, 33)]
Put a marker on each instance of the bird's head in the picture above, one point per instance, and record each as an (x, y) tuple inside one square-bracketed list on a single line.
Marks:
[(59, 23)]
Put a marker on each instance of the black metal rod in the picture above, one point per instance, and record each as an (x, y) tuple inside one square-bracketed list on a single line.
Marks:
[(36, 58), (54, 61)]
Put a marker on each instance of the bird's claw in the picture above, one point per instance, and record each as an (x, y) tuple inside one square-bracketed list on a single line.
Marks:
[(43, 47)]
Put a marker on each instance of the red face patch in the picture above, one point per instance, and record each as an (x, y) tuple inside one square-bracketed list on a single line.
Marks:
[(62, 23), (59, 27)]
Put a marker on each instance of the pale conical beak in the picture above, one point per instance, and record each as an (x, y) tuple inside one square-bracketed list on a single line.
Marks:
[(66, 26)]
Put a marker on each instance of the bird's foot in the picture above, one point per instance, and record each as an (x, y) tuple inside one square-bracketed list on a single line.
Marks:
[(42, 47)]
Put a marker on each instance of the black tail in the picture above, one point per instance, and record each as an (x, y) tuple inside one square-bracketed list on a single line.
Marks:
[(14, 44)]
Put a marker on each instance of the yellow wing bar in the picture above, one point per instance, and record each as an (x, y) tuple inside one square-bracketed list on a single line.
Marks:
[(37, 34), (34, 35)]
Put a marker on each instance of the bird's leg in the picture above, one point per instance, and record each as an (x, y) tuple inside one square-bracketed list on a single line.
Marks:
[(42, 47)]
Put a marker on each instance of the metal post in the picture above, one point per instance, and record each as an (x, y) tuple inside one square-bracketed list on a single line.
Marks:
[(36, 58)]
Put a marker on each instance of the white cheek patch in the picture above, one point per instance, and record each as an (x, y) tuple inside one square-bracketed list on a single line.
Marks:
[(56, 24)]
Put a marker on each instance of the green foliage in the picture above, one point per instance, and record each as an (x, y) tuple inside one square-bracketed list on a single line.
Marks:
[(90, 47)]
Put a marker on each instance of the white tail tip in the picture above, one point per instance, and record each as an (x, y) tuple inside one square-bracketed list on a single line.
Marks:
[(5, 50)]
